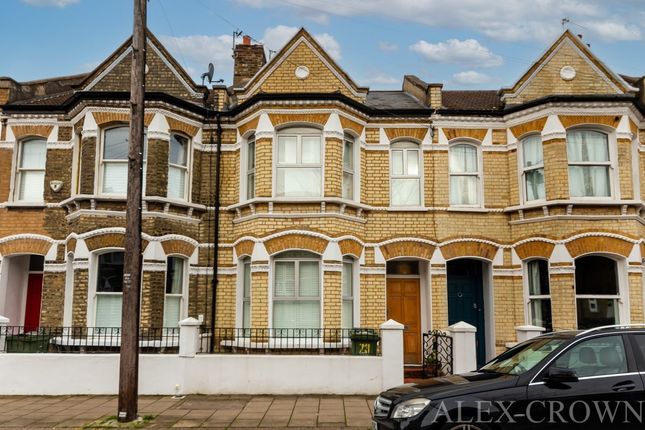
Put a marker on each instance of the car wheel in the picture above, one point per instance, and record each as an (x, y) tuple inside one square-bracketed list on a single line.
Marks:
[(465, 426)]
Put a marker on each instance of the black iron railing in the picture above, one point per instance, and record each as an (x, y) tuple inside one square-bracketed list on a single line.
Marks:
[(437, 354), (17, 339), (309, 341)]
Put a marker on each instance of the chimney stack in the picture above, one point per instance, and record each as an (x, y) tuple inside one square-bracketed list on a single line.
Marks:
[(249, 58)]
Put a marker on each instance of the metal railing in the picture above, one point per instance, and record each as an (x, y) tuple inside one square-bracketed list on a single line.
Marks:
[(17, 339), (303, 341), (437, 354)]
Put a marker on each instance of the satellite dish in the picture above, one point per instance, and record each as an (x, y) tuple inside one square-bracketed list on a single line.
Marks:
[(209, 74)]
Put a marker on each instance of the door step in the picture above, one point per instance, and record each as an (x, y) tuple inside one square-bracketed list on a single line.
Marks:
[(411, 373)]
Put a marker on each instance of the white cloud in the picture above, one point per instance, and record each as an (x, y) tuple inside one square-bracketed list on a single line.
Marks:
[(380, 79), (387, 46), (470, 77), (56, 3), (195, 52), (511, 20), (276, 37), (454, 51)]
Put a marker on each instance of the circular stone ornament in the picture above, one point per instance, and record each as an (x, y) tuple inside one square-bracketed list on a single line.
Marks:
[(567, 73), (302, 72)]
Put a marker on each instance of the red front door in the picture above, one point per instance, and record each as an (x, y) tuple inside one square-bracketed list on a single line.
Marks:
[(34, 297)]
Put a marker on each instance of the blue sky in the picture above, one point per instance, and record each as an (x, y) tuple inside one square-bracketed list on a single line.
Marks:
[(466, 44)]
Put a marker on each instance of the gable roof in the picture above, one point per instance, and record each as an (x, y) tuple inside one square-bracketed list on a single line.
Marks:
[(612, 80), (301, 37)]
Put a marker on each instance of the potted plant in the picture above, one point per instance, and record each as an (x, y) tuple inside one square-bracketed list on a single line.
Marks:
[(432, 365)]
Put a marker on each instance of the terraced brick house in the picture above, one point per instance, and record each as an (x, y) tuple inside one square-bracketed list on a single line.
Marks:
[(341, 206)]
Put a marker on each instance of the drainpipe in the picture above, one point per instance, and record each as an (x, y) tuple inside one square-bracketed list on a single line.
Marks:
[(216, 232)]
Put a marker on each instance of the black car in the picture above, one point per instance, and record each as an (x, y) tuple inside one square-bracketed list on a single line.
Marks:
[(593, 379)]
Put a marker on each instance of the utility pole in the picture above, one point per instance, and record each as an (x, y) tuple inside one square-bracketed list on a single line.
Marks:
[(129, 365)]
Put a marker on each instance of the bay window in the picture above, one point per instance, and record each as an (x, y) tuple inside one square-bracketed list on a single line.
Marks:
[(533, 168), (465, 175), (296, 290), (250, 167), (405, 174), (109, 290), (114, 161), (597, 291), (589, 163), (299, 164), (348, 167), (347, 312), (177, 166), (539, 294), (174, 297), (30, 177)]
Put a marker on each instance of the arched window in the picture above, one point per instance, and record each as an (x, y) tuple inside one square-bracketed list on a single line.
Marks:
[(597, 291), (109, 290), (465, 175), (539, 294), (589, 163), (299, 163), (178, 167), (296, 290), (30, 174), (174, 306), (405, 174), (114, 161), (533, 168), (348, 167)]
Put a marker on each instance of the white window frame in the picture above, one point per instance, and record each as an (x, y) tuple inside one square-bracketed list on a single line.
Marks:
[(407, 147), (299, 133), (612, 151), (245, 171), (240, 299), (271, 292), (621, 298), (186, 172), (183, 307), (101, 163), (355, 292), (92, 290), (478, 174), (528, 297), (349, 138), (524, 169), (17, 178)]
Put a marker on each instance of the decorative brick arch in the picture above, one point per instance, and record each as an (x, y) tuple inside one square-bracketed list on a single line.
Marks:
[(181, 126), (599, 244), (71, 245), (350, 247), (244, 247), (23, 131), (469, 248), (407, 248), (533, 249), (416, 134), (25, 246), (178, 246), (109, 240), (535, 126), (296, 241), (283, 119), (248, 126)]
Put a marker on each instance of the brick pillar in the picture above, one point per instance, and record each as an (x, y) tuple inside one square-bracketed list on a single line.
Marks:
[(157, 168), (563, 298), (79, 302), (373, 299), (556, 169), (625, 168), (226, 300), (333, 167), (439, 294), (53, 299), (260, 295), (57, 168), (264, 167), (88, 164), (636, 296), (514, 185), (152, 299), (507, 290), (333, 299)]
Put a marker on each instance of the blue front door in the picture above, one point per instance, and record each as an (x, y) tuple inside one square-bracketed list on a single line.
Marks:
[(466, 299)]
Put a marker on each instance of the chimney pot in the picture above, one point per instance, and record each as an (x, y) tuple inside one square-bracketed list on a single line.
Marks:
[(246, 40), (580, 36)]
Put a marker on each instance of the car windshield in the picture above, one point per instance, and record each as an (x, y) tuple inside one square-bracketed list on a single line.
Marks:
[(523, 357)]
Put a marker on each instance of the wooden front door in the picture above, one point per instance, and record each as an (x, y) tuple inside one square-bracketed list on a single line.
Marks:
[(404, 306), (34, 298)]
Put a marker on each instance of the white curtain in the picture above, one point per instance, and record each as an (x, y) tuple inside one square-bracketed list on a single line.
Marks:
[(463, 159), (532, 151), (588, 146), (299, 181), (176, 182), (463, 190), (589, 181), (32, 166), (32, 186), (172, 311), (406, 192)]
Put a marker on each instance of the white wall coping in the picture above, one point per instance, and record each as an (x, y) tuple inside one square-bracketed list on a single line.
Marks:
[(462, 327)]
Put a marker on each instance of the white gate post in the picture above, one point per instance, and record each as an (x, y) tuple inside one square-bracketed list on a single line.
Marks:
[(464, 347), (189, 337), (392, 353), (526, 332), (4, 322)]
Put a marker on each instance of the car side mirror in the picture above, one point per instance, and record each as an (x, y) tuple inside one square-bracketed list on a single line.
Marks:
[(561, 375)]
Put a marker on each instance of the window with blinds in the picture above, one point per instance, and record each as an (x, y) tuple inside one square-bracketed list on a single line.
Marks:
[(533, 168), (114, 161), (296, 290), (465, 175), (299, 164), (30, 178), (109, 290), (177, 167), (175, 275)]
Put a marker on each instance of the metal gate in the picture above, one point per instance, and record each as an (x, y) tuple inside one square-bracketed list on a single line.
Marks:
[(437, 354)]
